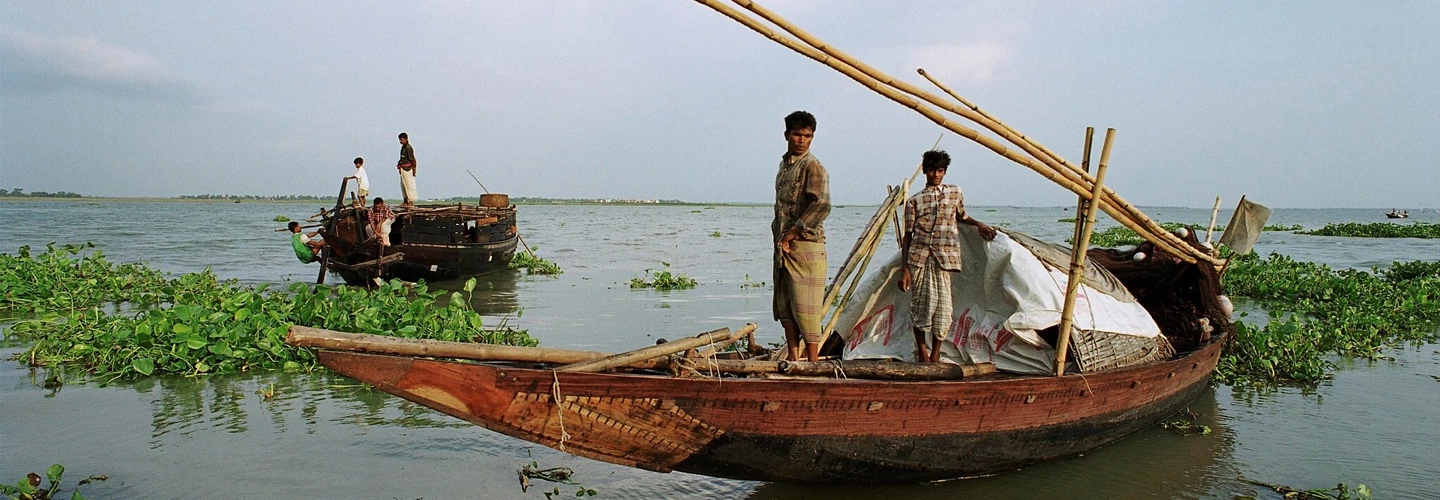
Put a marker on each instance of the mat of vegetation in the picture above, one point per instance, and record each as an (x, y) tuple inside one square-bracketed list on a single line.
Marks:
[(196, 324), (663, 280), (534, 264), (1379, 230), (1119, 236), (1317, 311)]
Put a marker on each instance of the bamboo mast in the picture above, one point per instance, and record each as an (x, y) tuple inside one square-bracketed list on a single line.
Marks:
[(1118, 209), (1004, 131), (1077, 259)]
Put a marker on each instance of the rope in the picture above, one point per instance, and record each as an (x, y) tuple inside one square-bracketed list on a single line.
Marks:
[(559, 407)]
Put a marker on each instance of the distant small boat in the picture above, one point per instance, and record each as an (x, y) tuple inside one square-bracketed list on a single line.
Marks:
[(1401, 214)]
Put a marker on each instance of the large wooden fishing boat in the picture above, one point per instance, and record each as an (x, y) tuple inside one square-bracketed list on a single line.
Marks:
[(805, 430), (1147, 339), (429, 242)]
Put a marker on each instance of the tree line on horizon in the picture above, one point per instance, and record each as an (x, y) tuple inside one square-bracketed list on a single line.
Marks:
[(20, 193)]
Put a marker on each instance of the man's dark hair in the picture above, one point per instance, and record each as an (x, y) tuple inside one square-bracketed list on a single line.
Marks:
[(379, 200), (934, 160), (799, 120), (404, 135), (293, 225), (359, 160)]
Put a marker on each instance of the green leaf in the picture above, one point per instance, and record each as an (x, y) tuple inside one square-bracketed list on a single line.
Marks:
[(181, 328), (221, 349), (242, 314), (196, 342), (54, 473), (145, 366), (470, 285)]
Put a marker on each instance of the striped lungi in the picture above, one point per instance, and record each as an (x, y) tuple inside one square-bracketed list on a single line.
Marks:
[(931, 309), (800, 287)]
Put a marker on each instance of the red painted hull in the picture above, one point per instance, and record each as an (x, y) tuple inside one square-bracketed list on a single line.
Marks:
[(798, 430)]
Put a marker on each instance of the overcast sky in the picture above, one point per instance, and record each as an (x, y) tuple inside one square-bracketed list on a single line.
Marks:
[(1297, 104)]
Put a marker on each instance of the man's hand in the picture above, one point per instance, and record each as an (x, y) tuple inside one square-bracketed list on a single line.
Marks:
[(785, 240), (905, 279), (986, 231)]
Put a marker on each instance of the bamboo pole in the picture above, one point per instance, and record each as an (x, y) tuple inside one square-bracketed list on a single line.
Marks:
[(1077, 260), (1211, 229), (1004, 131), (656, 351), (1117, 208), (303, 336), (1085, 164)]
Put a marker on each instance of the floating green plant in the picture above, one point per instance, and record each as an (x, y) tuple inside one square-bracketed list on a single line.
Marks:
[(534, 264), (1339, 492), (196, 324), (715, 234), (1317, 311), (663, 280), (62, 279), (281, 218), (29, 487), (1379, 230)]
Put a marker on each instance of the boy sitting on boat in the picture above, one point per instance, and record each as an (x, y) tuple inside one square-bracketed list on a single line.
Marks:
[(931, 251), (306, 248)]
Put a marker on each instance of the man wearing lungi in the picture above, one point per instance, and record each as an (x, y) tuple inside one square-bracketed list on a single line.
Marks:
[(802, 201), (407, 169), (930, 251)]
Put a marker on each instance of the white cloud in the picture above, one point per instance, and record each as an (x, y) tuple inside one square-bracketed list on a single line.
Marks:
[(962, 63), (43, 63)]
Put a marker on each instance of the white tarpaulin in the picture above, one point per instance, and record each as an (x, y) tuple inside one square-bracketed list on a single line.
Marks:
[(1003, 296)]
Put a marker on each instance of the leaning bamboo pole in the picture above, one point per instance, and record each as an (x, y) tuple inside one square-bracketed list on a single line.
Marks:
[(1153, 231), (1077, 260), (1119, 209), (1085, 164), (1210, 230), (656, 351)]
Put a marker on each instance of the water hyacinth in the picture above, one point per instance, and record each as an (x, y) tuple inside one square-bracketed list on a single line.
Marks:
[(208, 326), (1318, 311), (1379, 230)]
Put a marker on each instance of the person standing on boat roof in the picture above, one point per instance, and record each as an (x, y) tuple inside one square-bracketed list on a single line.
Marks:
[(306, 249), (802, 201), (362, 181), (381, 217), (407, 169), (930, 251)]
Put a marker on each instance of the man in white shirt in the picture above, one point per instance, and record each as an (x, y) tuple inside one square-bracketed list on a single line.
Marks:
[(362, 190)]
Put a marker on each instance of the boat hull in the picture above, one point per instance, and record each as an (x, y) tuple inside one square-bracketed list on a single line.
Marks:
[(833, 430)]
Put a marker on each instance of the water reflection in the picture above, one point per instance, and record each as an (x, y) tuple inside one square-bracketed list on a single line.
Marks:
[(233, 403), (1153, 463), (494, 293)]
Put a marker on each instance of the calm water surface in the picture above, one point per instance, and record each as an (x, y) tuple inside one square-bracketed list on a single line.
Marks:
[(325, 436)]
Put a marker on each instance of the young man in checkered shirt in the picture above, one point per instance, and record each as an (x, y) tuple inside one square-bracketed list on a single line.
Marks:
[(931, 251)]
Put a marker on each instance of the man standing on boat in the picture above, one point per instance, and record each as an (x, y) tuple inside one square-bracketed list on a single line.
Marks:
[(407, 169), (802, 201), (930, 251)]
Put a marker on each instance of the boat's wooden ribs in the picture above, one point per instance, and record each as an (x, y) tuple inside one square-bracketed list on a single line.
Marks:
[(650, 432)]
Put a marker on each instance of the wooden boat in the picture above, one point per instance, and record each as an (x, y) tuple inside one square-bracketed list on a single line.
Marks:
[(429, 242), (1397, 214), (805, 430)]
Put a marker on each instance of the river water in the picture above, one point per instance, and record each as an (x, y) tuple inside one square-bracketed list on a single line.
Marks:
[(325, 436)]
